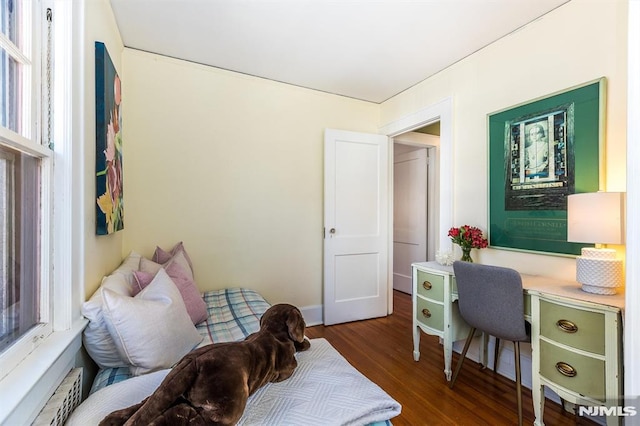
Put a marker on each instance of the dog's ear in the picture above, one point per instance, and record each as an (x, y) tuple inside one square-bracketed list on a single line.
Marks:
[(295, 325)]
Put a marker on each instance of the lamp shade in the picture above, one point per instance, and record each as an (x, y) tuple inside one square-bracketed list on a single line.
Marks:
[(596, 217)]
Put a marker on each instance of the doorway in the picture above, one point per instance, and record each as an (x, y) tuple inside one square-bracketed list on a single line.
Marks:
[(414, 204)]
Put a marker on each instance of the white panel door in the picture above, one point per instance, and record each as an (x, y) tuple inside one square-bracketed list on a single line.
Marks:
[(356, 226), (409, 215)]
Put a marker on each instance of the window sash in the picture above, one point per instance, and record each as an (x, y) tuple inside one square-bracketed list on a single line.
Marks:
[(22, 56)]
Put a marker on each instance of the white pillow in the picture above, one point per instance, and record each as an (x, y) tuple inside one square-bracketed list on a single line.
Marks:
[(96, 337), (153, 329)]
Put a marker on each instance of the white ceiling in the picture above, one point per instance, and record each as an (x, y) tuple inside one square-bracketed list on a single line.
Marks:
[(363, 49)]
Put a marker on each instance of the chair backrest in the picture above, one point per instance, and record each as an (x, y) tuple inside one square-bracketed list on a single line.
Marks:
[(490, 298)]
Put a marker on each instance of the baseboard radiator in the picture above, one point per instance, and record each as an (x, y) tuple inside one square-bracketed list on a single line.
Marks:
[(63, 401)]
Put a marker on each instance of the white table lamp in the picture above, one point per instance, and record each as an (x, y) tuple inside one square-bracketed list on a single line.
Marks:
[(597, 218)]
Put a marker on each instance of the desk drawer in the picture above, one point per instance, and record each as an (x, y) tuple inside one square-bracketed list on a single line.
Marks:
[(431, 285), (430, 314), (572, 327), (588, 374)]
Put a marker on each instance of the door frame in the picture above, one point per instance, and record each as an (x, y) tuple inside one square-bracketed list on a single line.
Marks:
[(442, 112)]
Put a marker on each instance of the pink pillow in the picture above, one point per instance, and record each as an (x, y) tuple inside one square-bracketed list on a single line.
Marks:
[(161, 256), (140, 281), (196, 307), (152, 267)]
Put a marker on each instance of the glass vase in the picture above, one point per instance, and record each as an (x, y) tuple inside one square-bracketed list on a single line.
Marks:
[(466, 254)]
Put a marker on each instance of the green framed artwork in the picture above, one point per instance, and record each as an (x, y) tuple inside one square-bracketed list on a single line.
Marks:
[(539, 153)]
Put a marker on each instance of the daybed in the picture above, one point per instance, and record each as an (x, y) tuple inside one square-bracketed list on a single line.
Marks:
[(324, 389)]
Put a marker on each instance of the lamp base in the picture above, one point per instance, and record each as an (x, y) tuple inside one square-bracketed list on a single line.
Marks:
[(608, 291), (599, 271)]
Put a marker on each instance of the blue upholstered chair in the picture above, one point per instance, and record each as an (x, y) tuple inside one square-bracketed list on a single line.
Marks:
[(490, 300)]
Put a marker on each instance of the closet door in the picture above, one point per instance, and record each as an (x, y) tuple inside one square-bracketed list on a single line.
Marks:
[(409, 215)]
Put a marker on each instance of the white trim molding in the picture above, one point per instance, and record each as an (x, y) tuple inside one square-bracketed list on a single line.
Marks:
[(441, 111), (64, 258), (632, 313), (27, 388)]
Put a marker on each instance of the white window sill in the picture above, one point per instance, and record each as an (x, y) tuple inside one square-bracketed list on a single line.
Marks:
[(26, 389)]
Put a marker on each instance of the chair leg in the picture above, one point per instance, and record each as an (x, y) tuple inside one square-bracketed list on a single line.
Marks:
[(463, 355), (496, 353), (516, 346)]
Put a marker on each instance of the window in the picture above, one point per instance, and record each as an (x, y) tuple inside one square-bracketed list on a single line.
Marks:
[(25, 179), (19, 234)]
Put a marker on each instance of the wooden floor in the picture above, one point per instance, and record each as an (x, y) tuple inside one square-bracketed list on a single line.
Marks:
[(382, 350)]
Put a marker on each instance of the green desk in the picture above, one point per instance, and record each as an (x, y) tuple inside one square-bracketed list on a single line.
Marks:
[(576, 337)]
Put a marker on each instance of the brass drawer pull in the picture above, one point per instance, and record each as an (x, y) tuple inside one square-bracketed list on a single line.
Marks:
[(567, 326), (427, 285), (426, 313), (565, 369)]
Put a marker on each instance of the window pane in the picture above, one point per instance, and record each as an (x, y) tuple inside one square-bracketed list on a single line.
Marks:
[(10, 92), (19, 248), (10, 15)]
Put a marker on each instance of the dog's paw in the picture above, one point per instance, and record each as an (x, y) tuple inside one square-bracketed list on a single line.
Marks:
[(120, 417), (112, 420), (302, 346)]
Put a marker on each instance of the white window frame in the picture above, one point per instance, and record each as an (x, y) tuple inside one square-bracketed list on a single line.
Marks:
[(36, 368), (30, 143)]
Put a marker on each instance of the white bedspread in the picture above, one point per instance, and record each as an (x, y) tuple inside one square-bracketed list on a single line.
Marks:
[(324, 390)]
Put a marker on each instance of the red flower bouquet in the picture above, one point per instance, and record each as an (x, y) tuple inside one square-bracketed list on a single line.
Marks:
[(468, 237)]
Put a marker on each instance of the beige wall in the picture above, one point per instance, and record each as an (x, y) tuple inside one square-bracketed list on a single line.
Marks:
[(578, 42), (102, 253), (233, 166)]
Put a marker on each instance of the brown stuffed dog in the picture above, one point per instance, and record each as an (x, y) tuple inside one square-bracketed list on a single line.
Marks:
[(210, 385)]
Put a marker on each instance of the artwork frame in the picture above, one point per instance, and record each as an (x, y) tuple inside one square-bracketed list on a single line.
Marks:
[(109, 161), (540, 152)]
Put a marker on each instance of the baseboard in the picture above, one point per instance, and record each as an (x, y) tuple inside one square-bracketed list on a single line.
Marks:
[(312, 315), (506, 365)]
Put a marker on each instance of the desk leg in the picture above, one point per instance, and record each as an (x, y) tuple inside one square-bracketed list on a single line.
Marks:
[(537, 389), (537, 394), (447, 344), (416, 343)]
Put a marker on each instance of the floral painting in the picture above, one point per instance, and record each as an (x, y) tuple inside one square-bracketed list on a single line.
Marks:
[(109, 197)]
